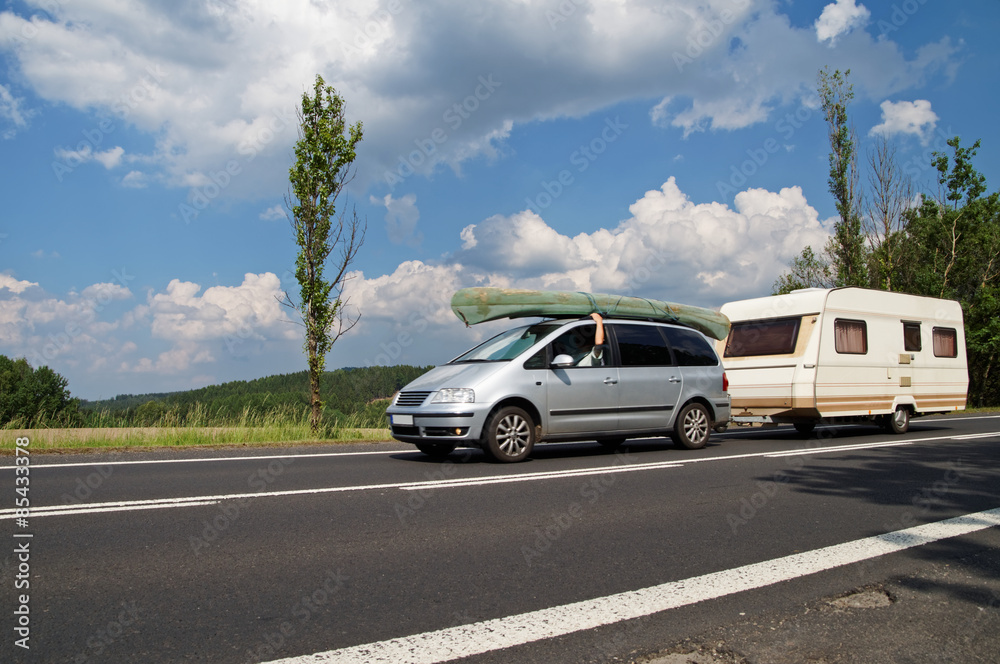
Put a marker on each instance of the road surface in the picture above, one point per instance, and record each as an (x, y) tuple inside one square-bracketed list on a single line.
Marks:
[(376, 553)]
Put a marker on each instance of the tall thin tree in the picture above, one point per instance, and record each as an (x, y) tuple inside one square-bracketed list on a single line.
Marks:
[(324, 154), (847, 247)]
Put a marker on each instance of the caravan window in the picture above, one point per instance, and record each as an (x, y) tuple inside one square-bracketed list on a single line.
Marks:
[(851, 336), (945, 342), (776, 336), (911, 337)]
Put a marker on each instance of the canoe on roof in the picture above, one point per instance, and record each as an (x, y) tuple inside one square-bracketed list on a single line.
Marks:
[(479, 305)]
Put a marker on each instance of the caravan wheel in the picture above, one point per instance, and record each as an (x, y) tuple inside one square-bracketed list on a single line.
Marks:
[(898, 422)]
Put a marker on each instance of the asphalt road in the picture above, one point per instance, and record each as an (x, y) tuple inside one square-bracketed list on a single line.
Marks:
[(248, 555)]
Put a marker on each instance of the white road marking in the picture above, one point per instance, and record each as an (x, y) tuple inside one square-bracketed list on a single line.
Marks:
[(423, 485), (37, 466), (491, 635)]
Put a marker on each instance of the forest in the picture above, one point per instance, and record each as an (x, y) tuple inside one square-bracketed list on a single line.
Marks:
[(357, 396)]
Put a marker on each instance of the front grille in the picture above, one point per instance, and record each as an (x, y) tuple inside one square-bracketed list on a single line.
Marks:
[(411, 399)]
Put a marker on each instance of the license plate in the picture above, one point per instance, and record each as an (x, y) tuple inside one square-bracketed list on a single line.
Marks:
[(402, 420)]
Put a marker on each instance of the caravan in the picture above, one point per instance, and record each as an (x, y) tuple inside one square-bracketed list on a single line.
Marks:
[(844, 354)]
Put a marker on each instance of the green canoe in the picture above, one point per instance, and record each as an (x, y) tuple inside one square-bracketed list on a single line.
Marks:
[(478, 305)]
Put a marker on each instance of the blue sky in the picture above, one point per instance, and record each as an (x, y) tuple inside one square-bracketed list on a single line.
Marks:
[(669, 148)]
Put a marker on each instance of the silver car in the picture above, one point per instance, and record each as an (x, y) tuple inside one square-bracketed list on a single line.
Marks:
[(549, 381)]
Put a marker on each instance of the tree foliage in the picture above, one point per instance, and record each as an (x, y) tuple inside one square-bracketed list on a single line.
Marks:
[(945, 245), (847, 249), (285, 398), (34, 397), (324, 153)]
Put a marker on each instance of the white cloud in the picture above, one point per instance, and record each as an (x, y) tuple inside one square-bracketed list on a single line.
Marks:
[(251, 310), (12, 113), (401, 218), (907, 117), (14, 285), (214, 85), (85, 153), (839, 18), (274, 213), (135, 180)]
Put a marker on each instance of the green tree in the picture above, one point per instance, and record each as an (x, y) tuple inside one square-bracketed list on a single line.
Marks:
[(34, 397), (953, 249), (806, 271), (324, 153), (847, 251)]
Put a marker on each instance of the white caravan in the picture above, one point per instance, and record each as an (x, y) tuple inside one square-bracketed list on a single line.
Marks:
[(849, 353)]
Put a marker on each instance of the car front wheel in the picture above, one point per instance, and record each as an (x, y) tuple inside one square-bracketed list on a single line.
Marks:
[(693, 427), (509, 435)]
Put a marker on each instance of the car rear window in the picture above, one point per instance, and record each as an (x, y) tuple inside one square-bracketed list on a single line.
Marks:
[(690, 348)]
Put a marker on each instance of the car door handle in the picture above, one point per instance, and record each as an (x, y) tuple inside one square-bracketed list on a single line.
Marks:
[(673, 379), (610, 381)]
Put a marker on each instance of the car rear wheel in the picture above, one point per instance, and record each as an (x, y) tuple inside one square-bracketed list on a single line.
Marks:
[(509, 435), (693, 427), (436, 450)]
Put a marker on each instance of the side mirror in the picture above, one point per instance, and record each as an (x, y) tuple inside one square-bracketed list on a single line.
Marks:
[(562, 360)]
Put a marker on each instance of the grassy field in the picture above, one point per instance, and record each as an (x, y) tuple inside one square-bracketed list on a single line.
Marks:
[(139, 438)]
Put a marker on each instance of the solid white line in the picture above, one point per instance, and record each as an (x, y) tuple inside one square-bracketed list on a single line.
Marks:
[(36, 466), (845, 448), (491, 635), (93, 509), (529, 477)]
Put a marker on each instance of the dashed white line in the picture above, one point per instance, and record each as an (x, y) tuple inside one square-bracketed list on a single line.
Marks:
[(467, 640)]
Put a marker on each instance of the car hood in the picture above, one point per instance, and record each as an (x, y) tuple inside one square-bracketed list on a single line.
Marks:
[(455, 375)]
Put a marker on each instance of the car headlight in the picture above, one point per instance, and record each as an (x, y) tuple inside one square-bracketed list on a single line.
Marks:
[(454, 395)]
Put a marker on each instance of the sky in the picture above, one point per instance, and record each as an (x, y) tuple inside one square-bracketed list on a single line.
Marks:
[(672, 149)]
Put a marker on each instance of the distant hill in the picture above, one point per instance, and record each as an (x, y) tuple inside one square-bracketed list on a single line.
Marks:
[(344, 392)]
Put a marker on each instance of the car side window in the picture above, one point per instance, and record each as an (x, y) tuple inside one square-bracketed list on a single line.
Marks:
[(578, 343), (690, 348), (642, 346)]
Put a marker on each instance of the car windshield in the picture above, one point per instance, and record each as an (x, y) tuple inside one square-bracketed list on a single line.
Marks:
[(506, 345)]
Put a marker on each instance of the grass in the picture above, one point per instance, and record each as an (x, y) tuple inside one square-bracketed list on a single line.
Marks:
[(198, 430)]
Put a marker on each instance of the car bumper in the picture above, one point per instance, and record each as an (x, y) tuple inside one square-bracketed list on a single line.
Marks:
[(416, 426)]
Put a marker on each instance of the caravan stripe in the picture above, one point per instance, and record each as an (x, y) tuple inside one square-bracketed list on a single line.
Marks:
[(467, 640)]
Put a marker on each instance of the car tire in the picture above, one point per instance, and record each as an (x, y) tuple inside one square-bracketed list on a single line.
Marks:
[(509, 435), (611, 444), (805, 428), (436, 450), (692, 427), (898, 422)]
